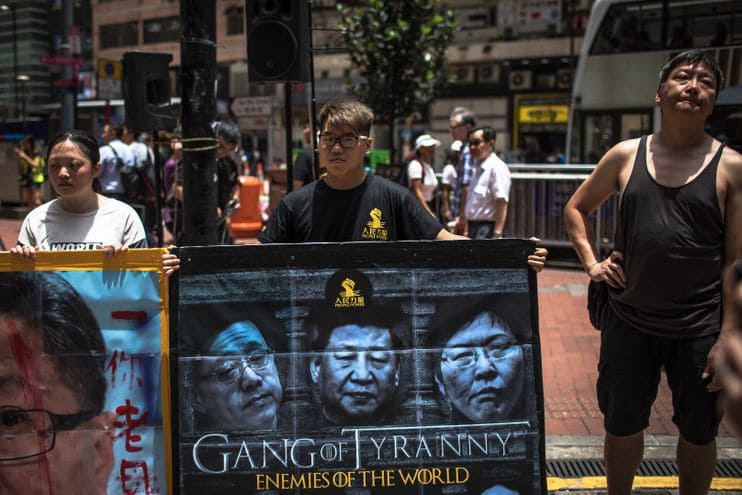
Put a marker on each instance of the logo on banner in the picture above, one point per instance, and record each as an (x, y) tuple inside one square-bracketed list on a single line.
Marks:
[(375, 229), (348, 290), (349, 297)]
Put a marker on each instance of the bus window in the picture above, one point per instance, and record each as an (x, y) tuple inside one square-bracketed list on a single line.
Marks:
[(626, 43), (598, 136), (635, 125), (604, 130)]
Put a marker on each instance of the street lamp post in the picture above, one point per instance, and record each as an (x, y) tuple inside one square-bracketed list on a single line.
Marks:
[(24, 79), (5, 8)]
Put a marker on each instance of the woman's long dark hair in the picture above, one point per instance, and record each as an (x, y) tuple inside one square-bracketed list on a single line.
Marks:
[(85, 142)]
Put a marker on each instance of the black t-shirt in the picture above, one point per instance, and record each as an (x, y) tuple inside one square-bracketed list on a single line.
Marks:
[(303, 167), (377, 210), (227, 171)]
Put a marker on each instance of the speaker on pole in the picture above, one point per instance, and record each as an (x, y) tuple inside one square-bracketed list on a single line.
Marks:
[(146, 91), (278, 41)]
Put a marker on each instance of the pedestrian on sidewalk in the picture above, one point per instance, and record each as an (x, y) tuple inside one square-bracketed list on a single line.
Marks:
[(679, 216), (31, 172), (487, 201), (461, 121), (115, 155), (420, 174)]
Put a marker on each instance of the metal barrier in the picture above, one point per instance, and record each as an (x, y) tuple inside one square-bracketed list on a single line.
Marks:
[(537, 198)]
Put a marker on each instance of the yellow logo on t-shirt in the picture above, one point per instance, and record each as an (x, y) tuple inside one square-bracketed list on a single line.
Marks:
[(375, 229), (349, 297)]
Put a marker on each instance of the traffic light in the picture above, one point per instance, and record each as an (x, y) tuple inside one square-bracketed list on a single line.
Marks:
[(146, 89), (277, 40)]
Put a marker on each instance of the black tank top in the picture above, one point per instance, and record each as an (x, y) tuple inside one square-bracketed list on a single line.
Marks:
[(672, 239)]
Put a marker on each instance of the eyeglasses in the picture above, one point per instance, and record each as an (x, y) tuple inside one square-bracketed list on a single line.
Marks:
[(27, 433), (464, 357), (231, 370), (347, 142)]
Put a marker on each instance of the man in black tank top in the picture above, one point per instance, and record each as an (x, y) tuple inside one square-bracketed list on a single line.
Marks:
[(680, 225)]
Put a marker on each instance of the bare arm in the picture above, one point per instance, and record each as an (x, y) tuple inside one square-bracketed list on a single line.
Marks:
[(730, 170), (461, 219), (501, 214), (417, 191), (445, 206), (445, 235), (35, 161), (591, 194), (732, 173)]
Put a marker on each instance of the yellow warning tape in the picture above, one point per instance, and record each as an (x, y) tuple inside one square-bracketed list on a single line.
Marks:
[(599, 482)]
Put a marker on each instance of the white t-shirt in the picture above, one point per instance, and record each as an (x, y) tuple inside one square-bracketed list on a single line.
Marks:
[(491, 181), (110, 173), (53, 229), (420, 170), (448, 176)]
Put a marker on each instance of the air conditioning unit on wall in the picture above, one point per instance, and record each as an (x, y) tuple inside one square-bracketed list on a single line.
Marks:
[(488, 73), (564, 78), (464, 74), (520, 79)]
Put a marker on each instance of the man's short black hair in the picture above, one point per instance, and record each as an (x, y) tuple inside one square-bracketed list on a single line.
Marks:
[(488, 133), (270, 328), (692, 57), (117, 129), (467, 116), (69, 332), (228, 131)]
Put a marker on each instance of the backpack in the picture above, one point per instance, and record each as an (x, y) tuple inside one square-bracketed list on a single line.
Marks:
[(137, 187), (401, 176)]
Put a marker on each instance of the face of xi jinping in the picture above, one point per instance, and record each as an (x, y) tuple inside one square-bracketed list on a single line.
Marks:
[(239, 390), (357, 374), (482, 370)]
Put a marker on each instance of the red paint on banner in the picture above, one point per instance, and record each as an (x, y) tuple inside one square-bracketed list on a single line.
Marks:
[(120, 357), (128, 411), (134, 477), (23, 358), (129, 315)]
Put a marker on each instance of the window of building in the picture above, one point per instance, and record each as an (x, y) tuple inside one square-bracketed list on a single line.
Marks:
[(123, 34), (162, 29), (235, 20)]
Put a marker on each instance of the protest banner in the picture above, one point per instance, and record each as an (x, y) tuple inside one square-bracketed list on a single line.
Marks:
[(406, 367), (83, 373)]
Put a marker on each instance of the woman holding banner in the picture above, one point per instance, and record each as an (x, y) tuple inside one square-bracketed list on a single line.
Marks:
[(80, 218)]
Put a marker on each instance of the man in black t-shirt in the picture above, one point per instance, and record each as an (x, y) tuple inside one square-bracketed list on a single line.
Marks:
[(348, 204)]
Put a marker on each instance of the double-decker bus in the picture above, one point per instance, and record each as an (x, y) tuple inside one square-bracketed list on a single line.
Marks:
[(626, 43)]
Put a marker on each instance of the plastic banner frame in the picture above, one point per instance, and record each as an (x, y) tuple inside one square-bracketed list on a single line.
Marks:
[(128, 296)]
